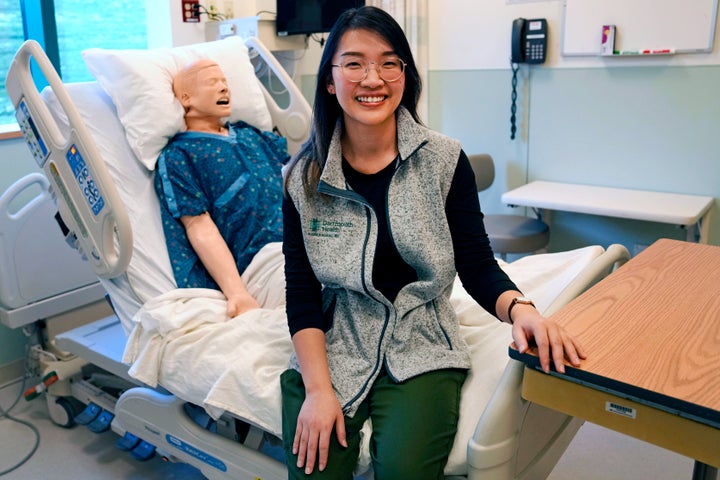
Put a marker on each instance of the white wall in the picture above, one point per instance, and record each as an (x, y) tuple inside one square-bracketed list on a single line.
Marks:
[(643, 123), (166, 28), (471, 35)]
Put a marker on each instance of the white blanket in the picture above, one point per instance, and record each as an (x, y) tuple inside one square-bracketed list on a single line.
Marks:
[(184, 341)]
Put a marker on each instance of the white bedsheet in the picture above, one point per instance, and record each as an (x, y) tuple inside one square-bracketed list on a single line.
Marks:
[(184, 341)]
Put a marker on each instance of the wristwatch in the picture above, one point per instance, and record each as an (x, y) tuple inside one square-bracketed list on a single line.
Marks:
[(515, 301)]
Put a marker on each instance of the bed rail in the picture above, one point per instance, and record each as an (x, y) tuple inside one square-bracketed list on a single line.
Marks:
[(293, 121), (78, 177)]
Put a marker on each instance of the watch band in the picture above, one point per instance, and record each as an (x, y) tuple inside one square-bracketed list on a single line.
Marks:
[(515, 301)]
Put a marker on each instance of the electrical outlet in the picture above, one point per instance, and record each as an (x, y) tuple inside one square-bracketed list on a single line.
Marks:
[(191, 11), (229, 9)]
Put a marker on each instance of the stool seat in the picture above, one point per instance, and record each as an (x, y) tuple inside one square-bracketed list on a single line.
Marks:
[(507, 233), (516, 234)]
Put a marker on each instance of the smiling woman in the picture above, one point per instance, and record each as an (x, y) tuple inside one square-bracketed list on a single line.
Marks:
[(78, 24)]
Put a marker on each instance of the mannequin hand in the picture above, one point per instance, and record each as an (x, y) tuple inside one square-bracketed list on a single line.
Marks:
[(240, 303)]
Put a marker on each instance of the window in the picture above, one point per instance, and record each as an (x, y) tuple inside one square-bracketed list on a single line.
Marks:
[(79, 24), (11, 37)]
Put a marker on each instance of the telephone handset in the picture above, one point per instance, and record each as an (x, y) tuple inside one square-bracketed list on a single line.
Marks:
[(529, 40)]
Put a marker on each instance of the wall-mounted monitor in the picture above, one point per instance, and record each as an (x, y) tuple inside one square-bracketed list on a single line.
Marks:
[(310, 16)]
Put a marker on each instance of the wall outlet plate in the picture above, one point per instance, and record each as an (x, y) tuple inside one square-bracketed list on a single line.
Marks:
[(191, 11)]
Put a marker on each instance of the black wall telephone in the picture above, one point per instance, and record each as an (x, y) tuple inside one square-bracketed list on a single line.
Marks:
[(528, 45), (529, 40)]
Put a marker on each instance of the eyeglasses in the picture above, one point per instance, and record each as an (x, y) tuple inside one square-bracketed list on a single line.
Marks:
[(357, 70)]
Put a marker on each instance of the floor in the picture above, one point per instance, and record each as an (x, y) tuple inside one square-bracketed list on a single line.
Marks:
[(77, 453)]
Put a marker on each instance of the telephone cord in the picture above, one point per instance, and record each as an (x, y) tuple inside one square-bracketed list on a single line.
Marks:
[(513, 106)]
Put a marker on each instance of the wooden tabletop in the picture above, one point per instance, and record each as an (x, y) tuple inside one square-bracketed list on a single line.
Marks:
[(652, 328)]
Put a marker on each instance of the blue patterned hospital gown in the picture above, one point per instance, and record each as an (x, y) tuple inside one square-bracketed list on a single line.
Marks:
[(236, 179)]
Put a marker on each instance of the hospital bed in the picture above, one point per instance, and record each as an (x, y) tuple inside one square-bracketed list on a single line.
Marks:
[(161, 339)]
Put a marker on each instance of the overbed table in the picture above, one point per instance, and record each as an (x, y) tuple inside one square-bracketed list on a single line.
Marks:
[(689, 211), (652, 332)]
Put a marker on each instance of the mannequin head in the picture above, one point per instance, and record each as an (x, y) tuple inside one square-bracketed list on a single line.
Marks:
[(201, 88)]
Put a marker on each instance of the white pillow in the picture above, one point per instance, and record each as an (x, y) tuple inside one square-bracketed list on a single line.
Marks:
[(140, 85)]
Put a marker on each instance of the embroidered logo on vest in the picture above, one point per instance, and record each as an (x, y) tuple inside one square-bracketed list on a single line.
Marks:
[(327, 228)]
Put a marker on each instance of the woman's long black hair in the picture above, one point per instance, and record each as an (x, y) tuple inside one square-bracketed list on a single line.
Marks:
[(327, 110)]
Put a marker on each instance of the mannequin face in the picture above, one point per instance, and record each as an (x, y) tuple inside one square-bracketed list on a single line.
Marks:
[(202, 90)]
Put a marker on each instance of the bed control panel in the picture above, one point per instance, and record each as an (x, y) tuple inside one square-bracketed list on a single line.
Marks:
[(35, 142), (86, 182)]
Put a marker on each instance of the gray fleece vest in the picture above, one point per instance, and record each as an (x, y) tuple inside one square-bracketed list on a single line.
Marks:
[(418, 332)]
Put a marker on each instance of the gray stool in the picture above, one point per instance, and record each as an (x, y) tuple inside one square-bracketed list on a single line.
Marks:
[(508, 233)]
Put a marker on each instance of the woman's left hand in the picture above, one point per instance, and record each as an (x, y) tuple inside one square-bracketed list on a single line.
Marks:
[(552, 340)]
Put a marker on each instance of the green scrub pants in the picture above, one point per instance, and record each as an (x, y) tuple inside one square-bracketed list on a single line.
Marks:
[(414, 426)]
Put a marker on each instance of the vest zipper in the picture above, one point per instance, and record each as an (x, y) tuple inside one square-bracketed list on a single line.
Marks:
[(350, 195)]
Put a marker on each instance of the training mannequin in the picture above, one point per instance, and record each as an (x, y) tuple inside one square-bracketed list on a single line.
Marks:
[(220, 189)]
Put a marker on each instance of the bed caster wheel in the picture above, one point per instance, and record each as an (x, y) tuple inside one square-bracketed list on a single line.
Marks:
[(62, 412)]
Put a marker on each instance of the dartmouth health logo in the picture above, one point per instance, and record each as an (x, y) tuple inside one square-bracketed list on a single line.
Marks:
[(327, 228)]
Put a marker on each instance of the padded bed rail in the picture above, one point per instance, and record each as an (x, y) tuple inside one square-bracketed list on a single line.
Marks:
[(78, 176)]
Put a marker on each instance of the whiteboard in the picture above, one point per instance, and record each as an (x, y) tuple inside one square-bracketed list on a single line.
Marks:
[(685, 26)]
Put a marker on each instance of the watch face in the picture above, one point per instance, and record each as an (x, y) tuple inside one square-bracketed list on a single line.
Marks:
[(524, 300)]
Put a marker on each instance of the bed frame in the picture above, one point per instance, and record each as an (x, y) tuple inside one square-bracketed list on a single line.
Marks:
[(514, 439)]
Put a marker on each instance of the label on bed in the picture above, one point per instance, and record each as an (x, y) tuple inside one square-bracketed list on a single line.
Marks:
[(85, 180), (622, 410), (194, 452)]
